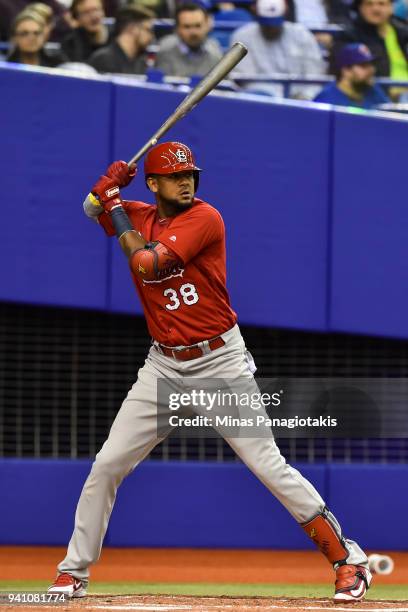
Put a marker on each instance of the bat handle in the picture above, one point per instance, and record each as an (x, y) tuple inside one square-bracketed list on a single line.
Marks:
[(142, 151)]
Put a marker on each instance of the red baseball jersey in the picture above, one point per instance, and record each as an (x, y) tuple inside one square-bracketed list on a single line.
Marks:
[(192, 304)]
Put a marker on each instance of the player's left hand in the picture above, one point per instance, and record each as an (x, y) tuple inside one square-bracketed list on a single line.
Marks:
[(121, 173), (107, 192)]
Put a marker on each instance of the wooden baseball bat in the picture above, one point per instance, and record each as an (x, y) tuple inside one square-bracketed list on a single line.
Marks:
[(207, 84)]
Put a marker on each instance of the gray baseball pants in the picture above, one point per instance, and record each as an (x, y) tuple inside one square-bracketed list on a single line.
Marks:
[(134, 434)]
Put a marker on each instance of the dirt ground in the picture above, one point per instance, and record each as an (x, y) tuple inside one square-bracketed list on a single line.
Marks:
[(184, 565), (212, 604)]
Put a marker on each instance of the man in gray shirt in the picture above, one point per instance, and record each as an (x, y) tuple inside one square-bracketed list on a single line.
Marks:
[(276, 46), (189, 51)]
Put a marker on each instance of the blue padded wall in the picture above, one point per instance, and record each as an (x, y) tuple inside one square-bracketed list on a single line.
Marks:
[(204, 505), (38, 500), (193, 504), (54, 142), (370, 215), (267, 172), (371, 501)]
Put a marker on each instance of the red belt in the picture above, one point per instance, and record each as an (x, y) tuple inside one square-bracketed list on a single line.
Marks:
[(191, 352)]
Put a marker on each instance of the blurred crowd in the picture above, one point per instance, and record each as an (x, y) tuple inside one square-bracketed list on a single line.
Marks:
[(354, 40)]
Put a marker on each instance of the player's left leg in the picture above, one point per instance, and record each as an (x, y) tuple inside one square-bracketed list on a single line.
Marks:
[(307, 507), (296, 493)]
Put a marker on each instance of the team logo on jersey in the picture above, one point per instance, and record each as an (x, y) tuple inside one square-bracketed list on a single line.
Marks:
[(173, 238), (176, 274)]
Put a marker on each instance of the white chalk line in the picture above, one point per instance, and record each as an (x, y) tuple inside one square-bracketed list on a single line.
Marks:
[(155, 608), (198, 607), (336, 607), (170, 608)]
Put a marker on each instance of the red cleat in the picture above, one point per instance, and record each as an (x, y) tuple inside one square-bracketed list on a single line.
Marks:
[(352, 582), (65, 584)]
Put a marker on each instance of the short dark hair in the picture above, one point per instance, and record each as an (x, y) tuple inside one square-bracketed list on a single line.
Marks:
[(357, 3), (189, 7), (129, 15)]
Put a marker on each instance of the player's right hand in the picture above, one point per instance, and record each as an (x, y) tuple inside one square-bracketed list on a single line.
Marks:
[(107, 192), (121, 173)]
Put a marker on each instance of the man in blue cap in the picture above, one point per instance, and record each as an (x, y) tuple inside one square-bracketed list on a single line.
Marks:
[(355, 80), (277, 46)]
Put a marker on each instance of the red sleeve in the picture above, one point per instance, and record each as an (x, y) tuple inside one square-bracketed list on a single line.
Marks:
[(105, 221), (192, 232)]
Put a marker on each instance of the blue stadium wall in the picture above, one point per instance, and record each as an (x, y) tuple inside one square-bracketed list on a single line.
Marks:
[(193, 504), (318, 198)]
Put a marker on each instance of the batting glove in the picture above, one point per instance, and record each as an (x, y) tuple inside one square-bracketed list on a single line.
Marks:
[(107, 193), (121, 173)]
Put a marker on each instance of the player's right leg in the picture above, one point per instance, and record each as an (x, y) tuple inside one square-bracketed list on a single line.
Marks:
[(132, 436)]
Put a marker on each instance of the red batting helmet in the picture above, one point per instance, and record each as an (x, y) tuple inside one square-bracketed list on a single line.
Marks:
[(170, 157)]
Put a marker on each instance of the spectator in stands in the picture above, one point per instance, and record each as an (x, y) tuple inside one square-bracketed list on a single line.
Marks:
[(127, 53), (384, 35), (28, 40), (189, 51), (46, 13), (111, 6), (277, 46), (320, 12), (312, 12), (355, 80), (91, 33), (341, 11), (162, 9), (9, 9)]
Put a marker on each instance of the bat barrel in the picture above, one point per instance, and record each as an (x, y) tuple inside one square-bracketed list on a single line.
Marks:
[(380, 564), (207, 84)]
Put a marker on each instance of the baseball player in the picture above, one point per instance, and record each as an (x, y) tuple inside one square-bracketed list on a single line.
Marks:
[(176, 254)]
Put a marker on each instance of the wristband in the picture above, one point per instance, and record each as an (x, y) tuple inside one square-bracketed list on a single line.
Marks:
[(92, 207), (120, 221)]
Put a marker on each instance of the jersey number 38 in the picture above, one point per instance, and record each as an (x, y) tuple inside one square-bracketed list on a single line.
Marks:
[(187, 293)]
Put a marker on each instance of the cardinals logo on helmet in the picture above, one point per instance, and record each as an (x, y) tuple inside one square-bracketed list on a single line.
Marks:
[(181, 156)]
